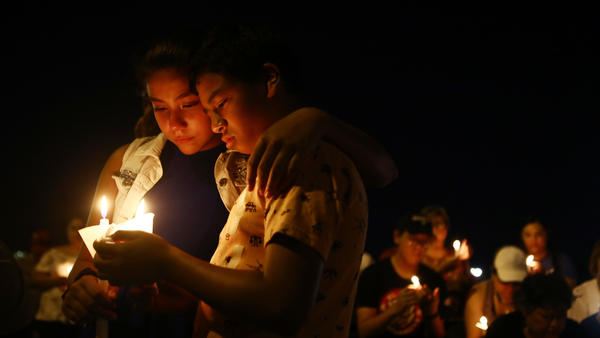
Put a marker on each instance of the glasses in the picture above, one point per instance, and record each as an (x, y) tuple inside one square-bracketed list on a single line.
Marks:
[(417, 242)]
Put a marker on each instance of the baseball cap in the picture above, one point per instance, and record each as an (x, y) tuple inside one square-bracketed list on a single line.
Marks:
[(509, 264), (413, 225)]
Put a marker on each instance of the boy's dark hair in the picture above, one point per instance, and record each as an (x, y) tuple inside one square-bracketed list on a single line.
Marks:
[(238, 52), (413, 225), (542, 290)]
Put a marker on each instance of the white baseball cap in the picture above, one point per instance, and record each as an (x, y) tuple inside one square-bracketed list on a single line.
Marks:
[(509, 264)]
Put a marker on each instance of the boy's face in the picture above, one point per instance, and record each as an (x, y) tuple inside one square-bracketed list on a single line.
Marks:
[(547, 321), (237, 110), (411, 247)]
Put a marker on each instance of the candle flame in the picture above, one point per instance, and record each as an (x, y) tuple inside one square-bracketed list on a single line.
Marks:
[(456, 245), (415, 281), (529, 261), (482, 324), (103, 207), (64, 269), (477, 272), (141, 209)]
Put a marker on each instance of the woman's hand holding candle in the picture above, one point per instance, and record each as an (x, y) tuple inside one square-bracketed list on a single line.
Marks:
[(87, 300)]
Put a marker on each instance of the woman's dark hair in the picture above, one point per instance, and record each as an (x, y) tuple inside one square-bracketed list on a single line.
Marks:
[(238, 52), (172, 51), (431, 211), (540, 290)]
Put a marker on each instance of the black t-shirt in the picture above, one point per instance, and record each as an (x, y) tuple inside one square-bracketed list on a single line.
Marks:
[(379, 284), (511, 325)]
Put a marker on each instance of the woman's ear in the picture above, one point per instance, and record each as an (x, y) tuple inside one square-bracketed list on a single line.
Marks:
[(272, 79)]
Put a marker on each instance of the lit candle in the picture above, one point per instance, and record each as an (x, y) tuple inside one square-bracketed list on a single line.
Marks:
[(142, 221), (477, 272), (482, 324), (102, 323), (456, 246), (103, 211), (64, 269), (415, 283), (531, 263)]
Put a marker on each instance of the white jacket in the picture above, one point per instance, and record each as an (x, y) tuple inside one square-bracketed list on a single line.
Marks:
[(140, 171)]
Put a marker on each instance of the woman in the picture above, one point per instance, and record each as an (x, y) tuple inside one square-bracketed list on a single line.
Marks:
[(174, 171), (535, 240), (451, 264)]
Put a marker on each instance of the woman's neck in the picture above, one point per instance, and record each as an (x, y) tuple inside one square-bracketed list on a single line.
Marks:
[(540, 255)]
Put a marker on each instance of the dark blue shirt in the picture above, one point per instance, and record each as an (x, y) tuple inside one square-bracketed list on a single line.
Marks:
[(188, 210)]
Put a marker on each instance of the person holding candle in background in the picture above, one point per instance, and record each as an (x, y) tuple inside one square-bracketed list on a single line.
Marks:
[(452, 263), (387, 303), (286, 263), (493, 297), (183, 123), (534, 236), (541, 311), (56, 263)]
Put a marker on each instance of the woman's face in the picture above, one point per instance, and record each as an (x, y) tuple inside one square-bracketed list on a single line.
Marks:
[(179, 113), (534, 238), (547, 322), (439, 227)]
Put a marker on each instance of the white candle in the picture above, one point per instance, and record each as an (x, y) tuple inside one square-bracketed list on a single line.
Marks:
[(102, 323), (482, 324), (103, 211), (143, 221)]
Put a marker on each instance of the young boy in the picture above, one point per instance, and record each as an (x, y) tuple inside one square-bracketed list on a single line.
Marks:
[(285, 265), (386, 304)]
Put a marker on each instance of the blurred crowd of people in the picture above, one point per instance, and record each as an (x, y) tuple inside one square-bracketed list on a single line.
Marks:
[(33, 282), (532, 291)]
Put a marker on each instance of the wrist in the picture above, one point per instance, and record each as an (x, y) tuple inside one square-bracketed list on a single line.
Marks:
[(167, 262), (85, 272)]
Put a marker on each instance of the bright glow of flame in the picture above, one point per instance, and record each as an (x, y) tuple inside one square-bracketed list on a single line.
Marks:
[(477, 272), (482, 324), (103, 207), (456, 245), (529, 261), (64, 269), (415, 282), (141, 209)]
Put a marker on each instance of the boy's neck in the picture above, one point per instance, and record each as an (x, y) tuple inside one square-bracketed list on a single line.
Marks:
[(402, 268)]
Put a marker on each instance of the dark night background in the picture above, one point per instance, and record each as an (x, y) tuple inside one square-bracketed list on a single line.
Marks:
[(490, 116)]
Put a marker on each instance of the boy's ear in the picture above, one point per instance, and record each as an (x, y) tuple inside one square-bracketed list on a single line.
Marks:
[(397, 237), (272, 79)]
